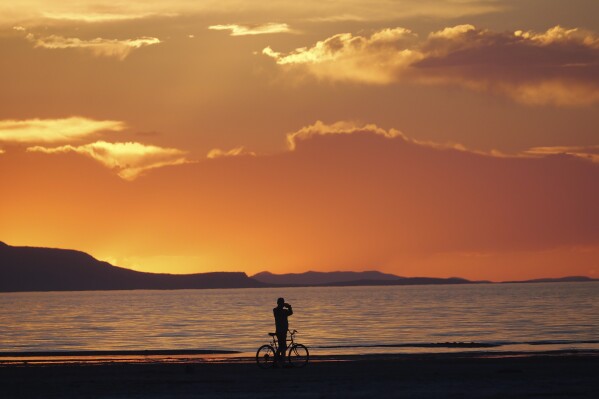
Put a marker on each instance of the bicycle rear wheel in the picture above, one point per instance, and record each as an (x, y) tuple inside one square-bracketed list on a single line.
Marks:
[(265, 357), (298, 355)]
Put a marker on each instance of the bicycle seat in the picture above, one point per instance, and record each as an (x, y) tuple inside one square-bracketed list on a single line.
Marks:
[(272, 334)]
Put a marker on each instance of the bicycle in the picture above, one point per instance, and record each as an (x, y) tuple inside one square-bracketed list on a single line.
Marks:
[(297, 354)]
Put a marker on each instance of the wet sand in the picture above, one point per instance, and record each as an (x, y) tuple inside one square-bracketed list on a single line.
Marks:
[(561, 374)]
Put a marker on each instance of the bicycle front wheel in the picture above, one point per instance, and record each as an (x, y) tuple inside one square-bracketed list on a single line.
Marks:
[(265, 357), (298, 355)]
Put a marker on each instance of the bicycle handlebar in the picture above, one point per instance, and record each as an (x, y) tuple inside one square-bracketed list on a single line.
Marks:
[(289, 331)]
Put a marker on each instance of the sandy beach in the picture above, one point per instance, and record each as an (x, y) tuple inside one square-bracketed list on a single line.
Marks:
[(563, 374)]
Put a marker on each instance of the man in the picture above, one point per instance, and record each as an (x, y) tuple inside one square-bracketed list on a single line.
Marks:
[(282, 325)]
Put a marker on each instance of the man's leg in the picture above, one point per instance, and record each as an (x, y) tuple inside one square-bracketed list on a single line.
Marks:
[(282, 338)]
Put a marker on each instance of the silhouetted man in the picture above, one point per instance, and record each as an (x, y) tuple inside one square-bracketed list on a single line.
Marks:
[(282, 325)]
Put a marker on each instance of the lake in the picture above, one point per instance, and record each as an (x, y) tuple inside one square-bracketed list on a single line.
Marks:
[(329, 319)]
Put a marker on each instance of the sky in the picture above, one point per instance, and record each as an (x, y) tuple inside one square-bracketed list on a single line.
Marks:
[(415, 137)]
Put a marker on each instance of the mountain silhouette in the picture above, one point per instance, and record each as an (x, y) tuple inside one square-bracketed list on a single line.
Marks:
[(407, 281), (345, 279), (48, 269), (568, 279), (317, 278)]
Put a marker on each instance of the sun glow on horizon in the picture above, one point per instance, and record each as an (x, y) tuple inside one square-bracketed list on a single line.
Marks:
[(437, 138)]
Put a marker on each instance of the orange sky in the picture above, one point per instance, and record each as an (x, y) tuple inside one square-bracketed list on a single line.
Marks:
[(422, 138)]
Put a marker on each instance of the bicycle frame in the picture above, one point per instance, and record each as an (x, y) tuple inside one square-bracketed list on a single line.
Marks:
[(289, 342)]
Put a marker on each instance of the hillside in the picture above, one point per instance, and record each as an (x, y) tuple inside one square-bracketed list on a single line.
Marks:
[(48, 269)]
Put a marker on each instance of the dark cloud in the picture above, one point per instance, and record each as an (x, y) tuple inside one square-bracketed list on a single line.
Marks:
[(344, 194), (559, 66)]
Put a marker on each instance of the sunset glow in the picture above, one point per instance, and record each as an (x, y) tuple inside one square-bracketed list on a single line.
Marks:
[(420, 138)]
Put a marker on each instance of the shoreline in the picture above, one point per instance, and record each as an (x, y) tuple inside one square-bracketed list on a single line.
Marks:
[(468, 349), (343, 284), (553, 374), (212, 356), (104, 353), (350, 284)]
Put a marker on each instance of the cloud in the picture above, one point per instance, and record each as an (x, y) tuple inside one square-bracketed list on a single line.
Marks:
[(557, 67), (95, 17), (452, 32), (590, 153), (42, 12), (559, 35), (338, 18), (129, 160), (100, 47), (218, 153), (376, 59), (245, 30), (54, 130), (101, 11), (320, 128)]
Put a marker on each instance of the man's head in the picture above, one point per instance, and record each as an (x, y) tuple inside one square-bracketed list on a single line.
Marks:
[(280, 302)]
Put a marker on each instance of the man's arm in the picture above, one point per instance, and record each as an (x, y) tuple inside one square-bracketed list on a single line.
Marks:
[(289, 310)]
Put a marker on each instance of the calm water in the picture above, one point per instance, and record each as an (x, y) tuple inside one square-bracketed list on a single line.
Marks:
[(327, 318)]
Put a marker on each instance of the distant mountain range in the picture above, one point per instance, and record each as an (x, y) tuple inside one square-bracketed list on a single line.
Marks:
[(343, 279), (319, 278), (49, 269), (569, 279)]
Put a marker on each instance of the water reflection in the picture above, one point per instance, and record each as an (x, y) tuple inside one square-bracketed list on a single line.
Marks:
[(346, 316)]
